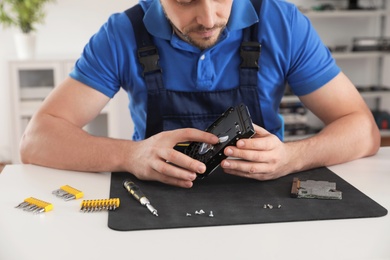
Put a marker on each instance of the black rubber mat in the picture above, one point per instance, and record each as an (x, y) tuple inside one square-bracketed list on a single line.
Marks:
[(234, 201)]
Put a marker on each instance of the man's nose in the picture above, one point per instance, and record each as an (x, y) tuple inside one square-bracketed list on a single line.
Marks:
[(205, 14)]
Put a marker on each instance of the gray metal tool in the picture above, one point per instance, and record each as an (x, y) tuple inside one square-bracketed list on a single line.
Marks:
[(135, 191), (310, 189)]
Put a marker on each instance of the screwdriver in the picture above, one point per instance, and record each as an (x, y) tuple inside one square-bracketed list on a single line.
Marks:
[(136, 192)]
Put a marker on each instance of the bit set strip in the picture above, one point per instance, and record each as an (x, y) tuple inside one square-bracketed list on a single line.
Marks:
[(67, 192), (99, 205), (35, 205)]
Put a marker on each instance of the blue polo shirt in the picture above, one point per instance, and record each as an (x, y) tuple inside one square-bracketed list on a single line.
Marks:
[(291, 52)]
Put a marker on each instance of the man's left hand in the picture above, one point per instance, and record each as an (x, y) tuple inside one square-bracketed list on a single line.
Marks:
[(263, 157)]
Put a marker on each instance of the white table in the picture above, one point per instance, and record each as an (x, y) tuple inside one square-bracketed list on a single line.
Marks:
[(65, 233)]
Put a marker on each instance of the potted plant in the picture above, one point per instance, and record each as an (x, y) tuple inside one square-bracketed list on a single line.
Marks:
[(24, 15)]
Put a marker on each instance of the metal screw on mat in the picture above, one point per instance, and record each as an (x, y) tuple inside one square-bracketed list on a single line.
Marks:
[(270, 206), (211, 215), (188, 215), (200, 212)]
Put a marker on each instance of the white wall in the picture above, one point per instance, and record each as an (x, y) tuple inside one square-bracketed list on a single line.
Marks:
[(68, 26)]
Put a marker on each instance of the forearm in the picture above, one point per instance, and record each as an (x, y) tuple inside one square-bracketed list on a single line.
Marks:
[(54, 142), (348, 138)]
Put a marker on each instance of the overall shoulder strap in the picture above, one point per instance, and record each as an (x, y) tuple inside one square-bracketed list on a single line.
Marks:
[(136, 15), (147, 51), (250, 47), (251, 33), (254, 28)]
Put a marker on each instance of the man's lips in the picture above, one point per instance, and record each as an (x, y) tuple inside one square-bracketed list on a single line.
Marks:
[(206, 33)]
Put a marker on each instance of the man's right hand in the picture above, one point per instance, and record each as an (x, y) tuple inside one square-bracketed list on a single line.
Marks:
[(156, 159)]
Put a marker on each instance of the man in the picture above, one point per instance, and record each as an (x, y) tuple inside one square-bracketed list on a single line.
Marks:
[(198, 43)]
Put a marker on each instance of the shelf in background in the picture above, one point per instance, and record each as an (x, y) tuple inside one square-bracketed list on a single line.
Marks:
[(28, 108), (385, 133), (345, 13), (367, 94), (359, 54), (290, 99), (374, 94)]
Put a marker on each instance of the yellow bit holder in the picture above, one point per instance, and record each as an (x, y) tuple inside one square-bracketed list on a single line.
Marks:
[(35, 205), (78, 194), (67, 192), (99, 204)]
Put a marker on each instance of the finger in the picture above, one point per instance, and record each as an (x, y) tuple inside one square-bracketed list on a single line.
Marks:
[(260, 131), (173, 177), (175, 182), (249, 153), (194, 135), (173, 171), (180, 159), (242, 166), (259, 142), (258, 171)]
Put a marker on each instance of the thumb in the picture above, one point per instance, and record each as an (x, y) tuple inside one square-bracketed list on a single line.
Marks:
[(260, 131)]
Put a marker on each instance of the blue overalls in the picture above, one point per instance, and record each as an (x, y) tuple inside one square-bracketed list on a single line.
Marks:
[(168, 110)]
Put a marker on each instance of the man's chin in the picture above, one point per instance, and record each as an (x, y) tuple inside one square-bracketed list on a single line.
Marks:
[(204, 43)]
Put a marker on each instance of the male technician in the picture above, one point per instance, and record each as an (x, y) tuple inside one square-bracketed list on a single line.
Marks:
[(198, 44)]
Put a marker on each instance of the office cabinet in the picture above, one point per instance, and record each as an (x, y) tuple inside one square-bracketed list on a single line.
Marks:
[(360, 44), (30, 82)]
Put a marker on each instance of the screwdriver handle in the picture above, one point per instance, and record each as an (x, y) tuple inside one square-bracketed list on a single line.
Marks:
[(136, 192), (133, 189)]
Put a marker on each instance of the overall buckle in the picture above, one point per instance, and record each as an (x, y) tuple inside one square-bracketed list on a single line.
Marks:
[(250, 54), (148, 57)]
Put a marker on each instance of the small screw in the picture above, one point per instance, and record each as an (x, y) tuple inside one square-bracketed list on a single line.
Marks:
[(279, 206), (265, 206), (270, 206), (188, 215), (201, 211), (211, 214)]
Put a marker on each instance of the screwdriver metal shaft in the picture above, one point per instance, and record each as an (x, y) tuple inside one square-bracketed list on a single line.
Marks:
[(136, 192)]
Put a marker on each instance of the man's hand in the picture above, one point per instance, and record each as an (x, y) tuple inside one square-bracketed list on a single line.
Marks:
[(263, 157), (156, 159)]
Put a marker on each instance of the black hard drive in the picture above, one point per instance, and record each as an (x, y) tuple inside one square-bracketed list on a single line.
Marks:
[(234, 124)]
